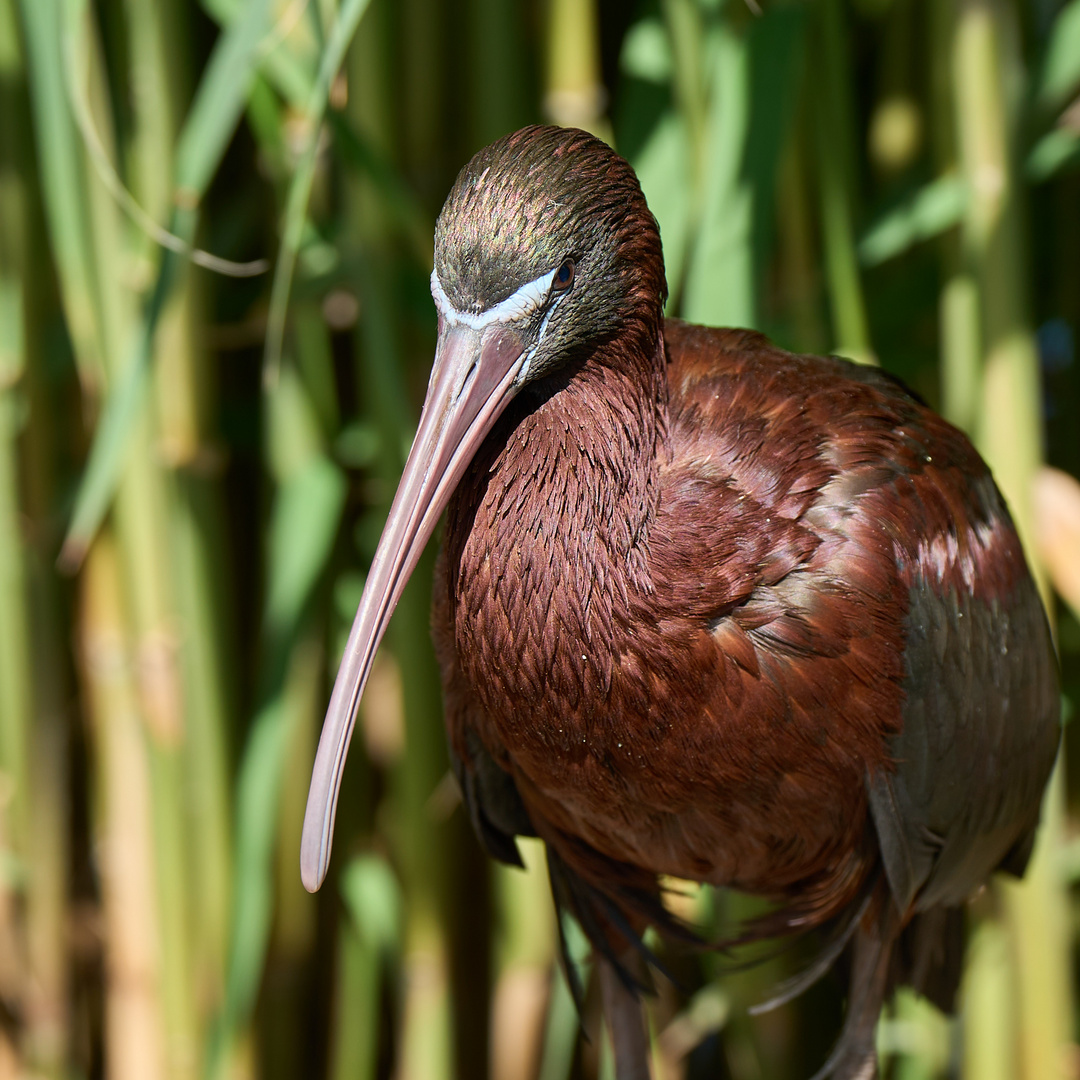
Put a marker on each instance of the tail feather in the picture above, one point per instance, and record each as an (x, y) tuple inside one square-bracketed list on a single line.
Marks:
[(800, 982), (929, 956)]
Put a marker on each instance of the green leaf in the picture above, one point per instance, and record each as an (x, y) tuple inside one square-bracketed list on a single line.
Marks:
[(1056, 150), (646, 51), (932, 210), (373, 899), (220, 100), (1059, 74), (719, 287), (114, 430), (63, 182), (662, 167), (303, 527)]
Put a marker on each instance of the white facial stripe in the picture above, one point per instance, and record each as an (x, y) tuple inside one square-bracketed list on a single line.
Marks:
[(519, 304)]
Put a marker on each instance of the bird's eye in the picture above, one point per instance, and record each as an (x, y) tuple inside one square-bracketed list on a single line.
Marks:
[(563, 276)]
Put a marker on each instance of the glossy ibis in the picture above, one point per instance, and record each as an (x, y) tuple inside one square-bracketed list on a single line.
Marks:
[(704, 608)]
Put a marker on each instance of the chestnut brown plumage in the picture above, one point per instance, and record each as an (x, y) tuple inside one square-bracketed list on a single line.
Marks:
[(704, 608)]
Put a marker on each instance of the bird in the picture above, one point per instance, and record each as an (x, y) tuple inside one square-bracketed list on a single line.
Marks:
[(704, 609)]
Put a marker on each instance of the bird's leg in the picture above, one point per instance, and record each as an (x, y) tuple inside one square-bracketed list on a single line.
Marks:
[(855, 1054), (625, 1015)]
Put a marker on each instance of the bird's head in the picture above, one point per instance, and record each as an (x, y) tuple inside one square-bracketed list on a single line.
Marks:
[(547, 233), (544, 251)]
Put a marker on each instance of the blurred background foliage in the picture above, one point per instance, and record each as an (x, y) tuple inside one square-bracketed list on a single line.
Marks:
[(215, 330)]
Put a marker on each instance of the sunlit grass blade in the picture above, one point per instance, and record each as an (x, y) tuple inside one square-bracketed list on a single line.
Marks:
[(64, 184), (220, 100), (563, 1023), (115, 432), (16, 682), (719, 287), (348, 18)]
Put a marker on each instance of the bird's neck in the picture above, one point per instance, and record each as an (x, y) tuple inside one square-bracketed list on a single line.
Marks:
[(547, 535)]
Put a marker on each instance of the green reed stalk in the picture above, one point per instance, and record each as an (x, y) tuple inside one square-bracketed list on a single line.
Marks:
[(498, 70), (989, 1003), (797, 255), (574, 93), (524, 962), (16, 677), (135, 1041), (370, 936), (63, 172), (16, 671), (158, 80), (88, 241), (834, 137), (1008, 433)]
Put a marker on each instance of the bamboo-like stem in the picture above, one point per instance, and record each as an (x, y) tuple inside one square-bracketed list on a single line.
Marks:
[(89, 240), (143, 536), (797, 254), (960, 359), (47, 991), (686, 32), (135, 1036), (1008, 433), (161, 578), (575, 94), (356, 994), (16, 677), (15, 669), (204, 654), (368, 935), (989, 1006), (525, 965), (421, 141), (834, 135), (958, 309), (498, 69)]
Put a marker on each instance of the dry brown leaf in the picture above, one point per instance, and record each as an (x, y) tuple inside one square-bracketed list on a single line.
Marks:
[(1056, 500)]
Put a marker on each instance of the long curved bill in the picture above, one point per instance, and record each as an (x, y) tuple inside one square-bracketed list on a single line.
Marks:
[(471, 384)]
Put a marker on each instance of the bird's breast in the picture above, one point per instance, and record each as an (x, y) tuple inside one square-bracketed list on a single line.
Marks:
[(624, 719)]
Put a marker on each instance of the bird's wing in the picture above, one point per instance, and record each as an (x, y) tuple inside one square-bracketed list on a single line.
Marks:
[(980, 717), (848, 452)]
